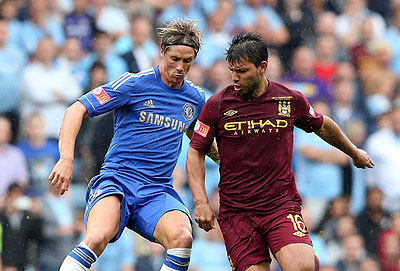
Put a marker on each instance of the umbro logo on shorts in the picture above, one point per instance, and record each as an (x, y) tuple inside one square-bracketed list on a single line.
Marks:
[(149, 103), (299, 234)]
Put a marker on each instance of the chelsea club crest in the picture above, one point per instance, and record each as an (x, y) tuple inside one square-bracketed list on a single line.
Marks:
[(188, 111)]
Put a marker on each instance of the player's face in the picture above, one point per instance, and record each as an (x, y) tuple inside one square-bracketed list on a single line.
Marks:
[(175, 64), (247, 77)]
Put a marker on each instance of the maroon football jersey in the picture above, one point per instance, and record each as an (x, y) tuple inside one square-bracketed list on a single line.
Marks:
[(255, 144)]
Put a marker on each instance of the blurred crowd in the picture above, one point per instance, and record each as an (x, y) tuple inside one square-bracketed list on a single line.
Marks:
[(343, 55)]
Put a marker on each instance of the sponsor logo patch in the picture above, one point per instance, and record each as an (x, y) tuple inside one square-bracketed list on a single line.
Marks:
[(101, 95), (149, 103), (201, 129), (230, 113), (299, 234)]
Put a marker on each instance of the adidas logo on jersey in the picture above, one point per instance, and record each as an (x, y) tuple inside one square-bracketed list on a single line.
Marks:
[(149, 103)]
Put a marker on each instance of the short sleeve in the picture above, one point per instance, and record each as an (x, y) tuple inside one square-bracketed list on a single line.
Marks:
[(206, 126), (109, 96), (307, 118)]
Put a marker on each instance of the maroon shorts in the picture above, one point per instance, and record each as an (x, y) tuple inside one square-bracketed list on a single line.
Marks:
[(249, 237)]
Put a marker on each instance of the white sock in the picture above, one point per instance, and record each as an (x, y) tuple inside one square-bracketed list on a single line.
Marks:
[(166, 268), (70, 264), (82, 244), (176, 259), (79, 259)]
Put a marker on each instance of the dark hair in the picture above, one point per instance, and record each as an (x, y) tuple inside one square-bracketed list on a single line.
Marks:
[(97, 65), (180, 32), (14, 187), (100, 33), (248, 46)]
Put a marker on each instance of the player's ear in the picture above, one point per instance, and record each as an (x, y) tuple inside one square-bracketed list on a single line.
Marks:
[(263, 66), (162, 53)]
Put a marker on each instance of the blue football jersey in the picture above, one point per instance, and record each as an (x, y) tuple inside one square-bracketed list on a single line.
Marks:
[(150, 120)]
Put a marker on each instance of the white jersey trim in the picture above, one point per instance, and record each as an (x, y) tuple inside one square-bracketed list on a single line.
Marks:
[(116, 81), (199, 89), (94, 108), (126, 76)]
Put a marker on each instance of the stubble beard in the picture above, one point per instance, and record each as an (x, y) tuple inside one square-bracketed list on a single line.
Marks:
[(250, 88)]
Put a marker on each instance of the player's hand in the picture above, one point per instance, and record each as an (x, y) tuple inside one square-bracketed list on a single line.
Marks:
[(204, 216), (362, 159), (61, 175)]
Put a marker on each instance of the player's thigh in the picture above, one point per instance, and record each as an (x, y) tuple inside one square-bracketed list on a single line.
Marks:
[(106, 209), (160, 216), (296, 257), (173, 229), (245, 246), (289, 241), (104, 218)]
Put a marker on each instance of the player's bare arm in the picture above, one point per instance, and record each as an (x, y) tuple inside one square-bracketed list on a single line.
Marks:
[(203, 214), (333, 156), (331, 133), (213, 153), (61, 174)]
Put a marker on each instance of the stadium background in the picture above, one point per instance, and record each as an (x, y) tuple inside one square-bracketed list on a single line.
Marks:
[(342, 54)]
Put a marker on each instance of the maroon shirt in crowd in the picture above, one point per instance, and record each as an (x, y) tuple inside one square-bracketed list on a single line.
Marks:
[(255, 144)]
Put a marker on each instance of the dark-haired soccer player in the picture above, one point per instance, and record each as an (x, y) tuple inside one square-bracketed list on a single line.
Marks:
[(253, 121), (153, 109)]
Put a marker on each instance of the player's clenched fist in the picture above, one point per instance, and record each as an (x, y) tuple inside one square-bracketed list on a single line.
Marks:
[(204, 216)]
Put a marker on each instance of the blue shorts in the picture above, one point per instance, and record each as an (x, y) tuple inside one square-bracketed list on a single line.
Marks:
[(142, 204)]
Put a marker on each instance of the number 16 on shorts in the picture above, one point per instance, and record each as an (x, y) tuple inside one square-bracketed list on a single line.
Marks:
[(299, 226)]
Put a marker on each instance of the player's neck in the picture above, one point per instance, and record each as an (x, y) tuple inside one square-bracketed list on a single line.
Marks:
[(262, 88)]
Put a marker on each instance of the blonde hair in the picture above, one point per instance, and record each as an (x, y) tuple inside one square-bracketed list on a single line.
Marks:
[(180, 32)]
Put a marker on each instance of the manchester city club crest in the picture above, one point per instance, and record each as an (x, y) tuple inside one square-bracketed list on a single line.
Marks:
[(188, 111), (284, 108)]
